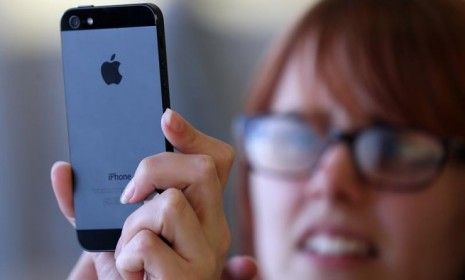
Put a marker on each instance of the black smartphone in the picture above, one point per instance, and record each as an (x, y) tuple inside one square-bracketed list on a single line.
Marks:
[(116, 89)]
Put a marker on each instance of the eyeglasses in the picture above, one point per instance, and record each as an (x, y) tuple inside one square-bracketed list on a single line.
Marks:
[(389, 158)]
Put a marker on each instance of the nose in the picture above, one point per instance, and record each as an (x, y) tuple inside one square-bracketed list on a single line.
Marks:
[(335, 177)]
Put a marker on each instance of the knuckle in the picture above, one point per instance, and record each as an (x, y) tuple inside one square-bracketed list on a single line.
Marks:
[(164, 155), (130, 221), (206, 170), (149, 163), (206, 164), (143, 242), (141, 245), (229, 154), (146, 164), (174, 202), (120, 264)]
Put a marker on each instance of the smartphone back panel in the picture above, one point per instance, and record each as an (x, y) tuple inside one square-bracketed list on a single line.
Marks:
[(114, 102)]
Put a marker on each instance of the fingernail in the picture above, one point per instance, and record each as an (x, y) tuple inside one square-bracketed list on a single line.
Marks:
[(127, 193), (52, 170), (72, 221), (54, 165), (173, 121)]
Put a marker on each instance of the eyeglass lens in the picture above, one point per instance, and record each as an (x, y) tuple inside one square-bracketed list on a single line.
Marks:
[(386, 157)]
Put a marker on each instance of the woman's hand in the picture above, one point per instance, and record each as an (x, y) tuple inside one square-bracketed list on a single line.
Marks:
[(188, 215)]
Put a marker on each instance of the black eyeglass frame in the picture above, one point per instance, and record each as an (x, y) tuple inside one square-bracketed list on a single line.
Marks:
[(452, 148)]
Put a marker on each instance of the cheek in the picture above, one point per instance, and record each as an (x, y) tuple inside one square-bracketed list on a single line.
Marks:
[(273, 199), (275, 207), (425, 229)]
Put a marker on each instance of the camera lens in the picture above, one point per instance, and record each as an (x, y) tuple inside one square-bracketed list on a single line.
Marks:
[(74, 22)]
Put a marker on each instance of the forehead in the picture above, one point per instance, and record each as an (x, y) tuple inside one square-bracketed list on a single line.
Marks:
[(301, 91)]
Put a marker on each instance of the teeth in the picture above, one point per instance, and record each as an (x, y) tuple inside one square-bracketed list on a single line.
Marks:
[(327, 245)]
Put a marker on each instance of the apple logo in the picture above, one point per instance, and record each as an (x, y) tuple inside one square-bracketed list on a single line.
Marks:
[(110, 71)]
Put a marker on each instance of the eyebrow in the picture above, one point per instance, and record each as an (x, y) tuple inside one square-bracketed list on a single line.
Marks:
[(323, 120), (313, 116), (317, 118)]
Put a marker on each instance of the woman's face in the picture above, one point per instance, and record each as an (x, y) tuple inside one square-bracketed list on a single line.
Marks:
[(408, 236)]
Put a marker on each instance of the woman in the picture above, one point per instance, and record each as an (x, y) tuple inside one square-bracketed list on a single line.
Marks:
[(354, 158)]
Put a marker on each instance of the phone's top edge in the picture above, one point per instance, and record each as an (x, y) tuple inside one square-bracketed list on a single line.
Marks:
[(131, 15), (154, 8), (114, 6)]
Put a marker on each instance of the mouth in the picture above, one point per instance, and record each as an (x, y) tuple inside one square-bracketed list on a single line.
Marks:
[(337, 248)]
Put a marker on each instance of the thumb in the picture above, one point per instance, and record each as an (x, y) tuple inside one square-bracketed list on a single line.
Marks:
[(188, 140), (240, 268)]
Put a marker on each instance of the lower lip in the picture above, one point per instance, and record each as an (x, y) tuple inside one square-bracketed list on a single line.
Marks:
[(337, 262)]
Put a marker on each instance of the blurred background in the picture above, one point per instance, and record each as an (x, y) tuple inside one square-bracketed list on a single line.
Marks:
[(213, 49)]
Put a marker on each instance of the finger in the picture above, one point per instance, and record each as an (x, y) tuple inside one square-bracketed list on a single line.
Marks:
[(171, 170), (146, 252), (171, 216), (62, 184), (105, 266), (196, 176), (189, 140), (84, 268), (240, 268)]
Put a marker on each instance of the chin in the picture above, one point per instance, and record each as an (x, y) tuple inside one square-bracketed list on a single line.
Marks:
[(307, 266)]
